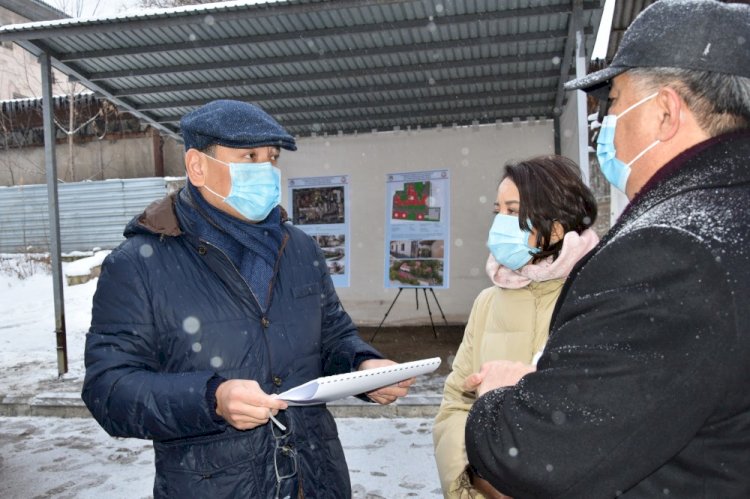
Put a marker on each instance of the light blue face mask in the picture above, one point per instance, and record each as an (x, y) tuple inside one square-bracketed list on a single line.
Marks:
[(255, 191), (615, 171), (508, 243)]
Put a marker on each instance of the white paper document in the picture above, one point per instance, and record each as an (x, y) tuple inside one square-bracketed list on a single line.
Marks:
[(329, 388)]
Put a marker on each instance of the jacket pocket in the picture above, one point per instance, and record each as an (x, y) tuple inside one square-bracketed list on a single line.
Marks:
[(208, 467), (303, 315), (304, 290)]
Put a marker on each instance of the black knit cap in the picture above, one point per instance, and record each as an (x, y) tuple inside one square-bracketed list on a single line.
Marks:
[(702, 35), (235, 124)]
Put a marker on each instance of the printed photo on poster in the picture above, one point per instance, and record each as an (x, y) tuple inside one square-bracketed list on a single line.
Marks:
[(418, 273), (319, 207), (418, 249), (417, 229), (334, 249)]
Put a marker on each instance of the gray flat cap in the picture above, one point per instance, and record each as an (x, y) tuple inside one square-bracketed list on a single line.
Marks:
[(702, 35)]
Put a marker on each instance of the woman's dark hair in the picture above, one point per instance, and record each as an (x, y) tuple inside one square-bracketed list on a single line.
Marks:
[(551, 190)]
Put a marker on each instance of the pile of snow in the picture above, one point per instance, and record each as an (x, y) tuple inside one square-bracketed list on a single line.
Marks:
[(84, 266)]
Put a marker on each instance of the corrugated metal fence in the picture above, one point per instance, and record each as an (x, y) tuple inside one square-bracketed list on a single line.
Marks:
[(92, 214)]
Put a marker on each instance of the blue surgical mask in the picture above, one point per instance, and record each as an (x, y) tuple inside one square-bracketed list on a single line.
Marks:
[(615, 171), (255, 191), (508, 243)]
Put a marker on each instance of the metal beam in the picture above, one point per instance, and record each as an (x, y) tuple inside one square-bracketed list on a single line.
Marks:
[(330, 56), (444, 119), (361, 127), (570, 44), (429, 104), (386, 119), (417, 68), (33, 11), (366, 93), (54, 214), (488, 112), (581, 111)]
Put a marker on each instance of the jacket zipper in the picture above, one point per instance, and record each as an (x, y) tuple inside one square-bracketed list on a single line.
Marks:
[(263, 320), (249, 288)]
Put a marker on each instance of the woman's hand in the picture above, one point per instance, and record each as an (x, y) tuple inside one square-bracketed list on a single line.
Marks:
[(496, 374)]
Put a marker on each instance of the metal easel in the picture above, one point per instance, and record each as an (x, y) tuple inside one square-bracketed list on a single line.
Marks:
[(416, 297)]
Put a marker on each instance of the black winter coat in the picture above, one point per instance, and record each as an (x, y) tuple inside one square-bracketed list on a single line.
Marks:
[(642, 390), (169, 312)]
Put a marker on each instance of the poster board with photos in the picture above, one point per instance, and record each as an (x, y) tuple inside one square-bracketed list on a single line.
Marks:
[(417, 235), (319, 206)]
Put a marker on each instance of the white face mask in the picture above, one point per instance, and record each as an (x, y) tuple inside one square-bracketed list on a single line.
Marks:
[(615, 171)]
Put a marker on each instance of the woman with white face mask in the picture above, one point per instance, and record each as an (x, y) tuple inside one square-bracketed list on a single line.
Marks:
[(541, 228)]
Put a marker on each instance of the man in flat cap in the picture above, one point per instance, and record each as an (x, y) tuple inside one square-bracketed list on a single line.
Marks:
[(642, 390), (211, 306)]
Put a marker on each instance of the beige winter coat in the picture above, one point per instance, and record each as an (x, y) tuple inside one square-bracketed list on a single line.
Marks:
[(510, 324)]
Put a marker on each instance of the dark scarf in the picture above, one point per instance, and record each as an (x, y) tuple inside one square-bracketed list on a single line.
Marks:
[(252, 247)]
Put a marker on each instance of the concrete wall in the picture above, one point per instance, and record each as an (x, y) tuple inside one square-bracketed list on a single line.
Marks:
[(129, 157), (95, 160), (174, 157), (474, 156)]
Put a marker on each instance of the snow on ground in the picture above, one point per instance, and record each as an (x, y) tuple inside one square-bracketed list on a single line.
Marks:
[(49, 457), (28, 357), (75, 459)]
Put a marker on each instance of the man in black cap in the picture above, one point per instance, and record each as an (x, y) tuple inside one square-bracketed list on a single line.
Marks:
[(642, 390), (211, 306)]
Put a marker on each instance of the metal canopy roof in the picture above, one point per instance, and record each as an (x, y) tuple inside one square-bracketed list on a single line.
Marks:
[(323, 66)]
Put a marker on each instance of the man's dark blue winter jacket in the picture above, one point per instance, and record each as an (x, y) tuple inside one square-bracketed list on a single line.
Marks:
[(169, 313)]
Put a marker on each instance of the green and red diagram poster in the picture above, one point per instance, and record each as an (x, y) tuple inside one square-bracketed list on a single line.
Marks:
[(413, 203), (417, 252)]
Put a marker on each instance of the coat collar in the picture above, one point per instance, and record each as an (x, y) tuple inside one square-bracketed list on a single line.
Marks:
[(160, 218), (717, 162)]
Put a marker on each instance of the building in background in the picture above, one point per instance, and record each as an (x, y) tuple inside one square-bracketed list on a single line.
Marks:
[(95, 140), (19, 78)]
